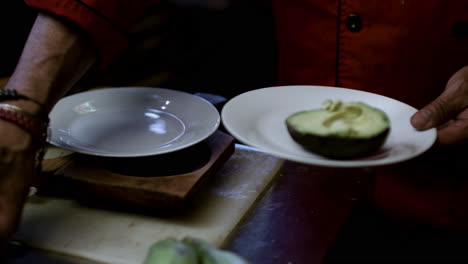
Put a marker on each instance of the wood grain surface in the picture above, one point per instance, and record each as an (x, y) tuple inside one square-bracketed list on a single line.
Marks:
[(161, 182)]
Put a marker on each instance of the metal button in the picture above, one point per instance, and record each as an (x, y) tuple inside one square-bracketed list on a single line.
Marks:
[(460, 29), (353, 23)]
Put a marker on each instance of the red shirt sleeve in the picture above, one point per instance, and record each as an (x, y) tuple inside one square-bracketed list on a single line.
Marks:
[(105, 21)]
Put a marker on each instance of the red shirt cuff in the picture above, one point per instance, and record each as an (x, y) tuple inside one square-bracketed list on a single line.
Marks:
[(109, 39)]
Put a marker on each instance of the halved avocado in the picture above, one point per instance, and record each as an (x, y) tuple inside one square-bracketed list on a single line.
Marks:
[(340, 130)]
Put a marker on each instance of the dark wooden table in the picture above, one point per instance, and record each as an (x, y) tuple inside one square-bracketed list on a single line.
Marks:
[(317, 215), (324, 215), (300, 217)]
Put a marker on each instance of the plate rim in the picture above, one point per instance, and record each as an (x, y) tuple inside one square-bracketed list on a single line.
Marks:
[(325, 162), (208, 133)]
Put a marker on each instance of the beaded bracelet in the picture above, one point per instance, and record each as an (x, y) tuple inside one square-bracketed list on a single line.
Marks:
[(9, 94)]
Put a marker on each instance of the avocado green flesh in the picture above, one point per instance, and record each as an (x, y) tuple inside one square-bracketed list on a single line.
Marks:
[(349, 131)]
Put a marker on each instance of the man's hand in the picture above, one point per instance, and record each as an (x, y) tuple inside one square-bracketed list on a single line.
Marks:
[(449, 112)]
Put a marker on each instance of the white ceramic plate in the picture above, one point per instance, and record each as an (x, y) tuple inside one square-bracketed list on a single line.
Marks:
[(257, 118), (131, 121)]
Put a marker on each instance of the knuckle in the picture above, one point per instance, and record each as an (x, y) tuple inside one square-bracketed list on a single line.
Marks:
[(440, 110)]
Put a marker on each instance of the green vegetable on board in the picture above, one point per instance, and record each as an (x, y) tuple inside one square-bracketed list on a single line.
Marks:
[(189, 251), (171, 251)]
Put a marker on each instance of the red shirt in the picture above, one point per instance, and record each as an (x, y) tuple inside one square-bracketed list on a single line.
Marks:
[(106, 21), (404, 49)]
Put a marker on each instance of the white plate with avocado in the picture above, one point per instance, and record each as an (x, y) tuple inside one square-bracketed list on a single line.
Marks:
[(258, 118)]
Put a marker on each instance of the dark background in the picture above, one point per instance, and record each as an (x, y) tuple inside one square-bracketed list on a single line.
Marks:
[(223, 51)]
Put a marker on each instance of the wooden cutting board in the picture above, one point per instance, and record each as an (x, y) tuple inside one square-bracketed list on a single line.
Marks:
[(156, 184), (104, 236)]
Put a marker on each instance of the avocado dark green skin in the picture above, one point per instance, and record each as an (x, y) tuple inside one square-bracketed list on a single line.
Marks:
[(339, 147)]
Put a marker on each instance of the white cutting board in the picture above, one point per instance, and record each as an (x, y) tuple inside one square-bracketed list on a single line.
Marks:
[(66, 227)]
